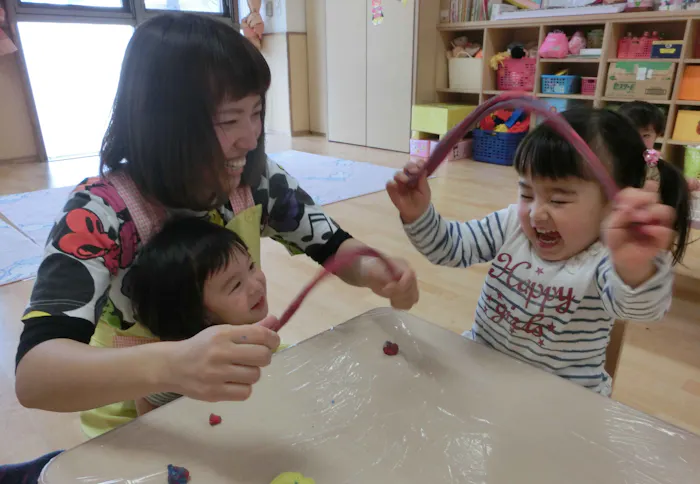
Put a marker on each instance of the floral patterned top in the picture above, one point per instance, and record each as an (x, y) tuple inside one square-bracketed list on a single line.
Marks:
[(85, 270)]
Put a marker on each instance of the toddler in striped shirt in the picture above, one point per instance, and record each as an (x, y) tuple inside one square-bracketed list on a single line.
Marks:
[(565, 261)]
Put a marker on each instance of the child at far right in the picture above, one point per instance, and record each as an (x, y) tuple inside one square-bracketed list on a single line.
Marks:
[(650, 122), (566, 262)]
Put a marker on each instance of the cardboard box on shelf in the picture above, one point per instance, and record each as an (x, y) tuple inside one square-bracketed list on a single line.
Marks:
[(640, 80)]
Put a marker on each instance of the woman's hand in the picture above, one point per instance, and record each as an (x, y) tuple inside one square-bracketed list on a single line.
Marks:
[(143, 406), (638, 228), (222, 362), (412, 202), (403, 293)]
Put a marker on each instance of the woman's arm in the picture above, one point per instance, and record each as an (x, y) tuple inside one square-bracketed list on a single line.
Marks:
[(220, 363), (61, 375), (302, 226)]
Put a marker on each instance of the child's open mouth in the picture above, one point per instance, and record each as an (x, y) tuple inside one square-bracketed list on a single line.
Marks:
[(547, 239), (259, 304)]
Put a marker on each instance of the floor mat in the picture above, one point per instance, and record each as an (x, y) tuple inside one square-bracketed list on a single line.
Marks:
[(34, 213), (328, 180), (19, 257)]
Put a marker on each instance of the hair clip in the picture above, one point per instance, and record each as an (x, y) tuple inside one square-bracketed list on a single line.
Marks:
[(651, 157)]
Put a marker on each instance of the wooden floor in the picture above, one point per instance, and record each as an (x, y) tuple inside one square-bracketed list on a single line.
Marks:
[(659, 369)]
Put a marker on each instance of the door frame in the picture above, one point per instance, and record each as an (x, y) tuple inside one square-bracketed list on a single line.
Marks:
[(133, 12)]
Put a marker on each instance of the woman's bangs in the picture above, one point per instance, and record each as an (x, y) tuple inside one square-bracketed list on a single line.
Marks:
[(239, 71), (545, 154)]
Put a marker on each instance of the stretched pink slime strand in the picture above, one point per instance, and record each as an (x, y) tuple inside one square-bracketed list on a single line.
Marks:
[(533, 106), (513, 100), (332, 267)]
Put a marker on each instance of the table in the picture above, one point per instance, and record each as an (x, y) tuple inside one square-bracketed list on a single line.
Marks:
[(445, 409)]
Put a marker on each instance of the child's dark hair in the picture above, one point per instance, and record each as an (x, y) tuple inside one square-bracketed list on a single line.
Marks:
[(166, 283), (543, 153), (177, 69), (643, 115)]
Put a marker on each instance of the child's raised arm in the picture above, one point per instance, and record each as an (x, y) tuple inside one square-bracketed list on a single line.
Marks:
[(454, 244), (636, 281)]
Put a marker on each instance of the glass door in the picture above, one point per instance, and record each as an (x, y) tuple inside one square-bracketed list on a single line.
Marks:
[(72, 51)]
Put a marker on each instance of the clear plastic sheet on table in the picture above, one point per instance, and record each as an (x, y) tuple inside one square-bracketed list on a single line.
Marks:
[(445, 409)]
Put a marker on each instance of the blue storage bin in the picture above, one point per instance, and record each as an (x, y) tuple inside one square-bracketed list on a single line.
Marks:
[(561, 84), (493, 147)]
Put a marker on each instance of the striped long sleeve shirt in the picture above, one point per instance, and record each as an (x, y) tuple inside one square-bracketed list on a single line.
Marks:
[(554, 315)]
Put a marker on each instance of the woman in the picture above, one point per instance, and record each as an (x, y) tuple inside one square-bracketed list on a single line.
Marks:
[(186, 136)]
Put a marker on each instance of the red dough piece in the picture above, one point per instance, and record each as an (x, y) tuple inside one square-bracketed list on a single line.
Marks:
[(214, 419), (391, 349)]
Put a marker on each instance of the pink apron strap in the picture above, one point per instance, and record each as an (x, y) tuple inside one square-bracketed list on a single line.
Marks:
[(129, 341), (147, 217), (241, 199)]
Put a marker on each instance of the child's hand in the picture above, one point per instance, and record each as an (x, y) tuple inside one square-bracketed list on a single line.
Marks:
[(411, 202), (638, 228), (220, 363)]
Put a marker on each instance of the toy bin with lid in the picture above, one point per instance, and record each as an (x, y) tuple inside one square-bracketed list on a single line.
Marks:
[(438, 118)]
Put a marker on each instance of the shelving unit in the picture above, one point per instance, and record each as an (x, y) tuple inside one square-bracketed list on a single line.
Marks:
[(495, 36)]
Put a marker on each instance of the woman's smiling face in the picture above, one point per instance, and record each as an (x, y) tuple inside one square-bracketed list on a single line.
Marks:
[(238, 126)]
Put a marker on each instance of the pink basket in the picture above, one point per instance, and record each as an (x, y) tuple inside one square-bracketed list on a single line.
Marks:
[(634, 48), (516, 75), (588, 85)]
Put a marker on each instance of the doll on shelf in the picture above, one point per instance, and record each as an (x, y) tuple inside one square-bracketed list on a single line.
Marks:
[(253, 25)]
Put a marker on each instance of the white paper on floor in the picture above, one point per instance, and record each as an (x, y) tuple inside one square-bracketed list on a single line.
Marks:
[(19, 257), (34, 213), (328, 180)]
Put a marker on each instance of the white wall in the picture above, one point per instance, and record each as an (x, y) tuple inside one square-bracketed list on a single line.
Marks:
[(316, 46), (286, 15)]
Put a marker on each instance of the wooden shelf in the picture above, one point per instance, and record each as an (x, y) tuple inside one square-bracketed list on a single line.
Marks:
[(496, 35), (673, 61), (460, 91), (681, 143), (568, 96), (650, 101), (576, 60), (578, 20)]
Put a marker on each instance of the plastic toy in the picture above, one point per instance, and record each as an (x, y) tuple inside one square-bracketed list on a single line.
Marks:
[(292, 478), (390, 349), (178, 475)]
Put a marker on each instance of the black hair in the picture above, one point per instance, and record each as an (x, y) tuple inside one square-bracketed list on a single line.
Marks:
[(545, 154), (177, 69), (166, 283), (643, 115)]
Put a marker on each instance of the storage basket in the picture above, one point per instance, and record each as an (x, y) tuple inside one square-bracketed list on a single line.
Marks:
[(561, 84), (588, 85), (634, 48), (493, 147), (465, 73), (516, 75)]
